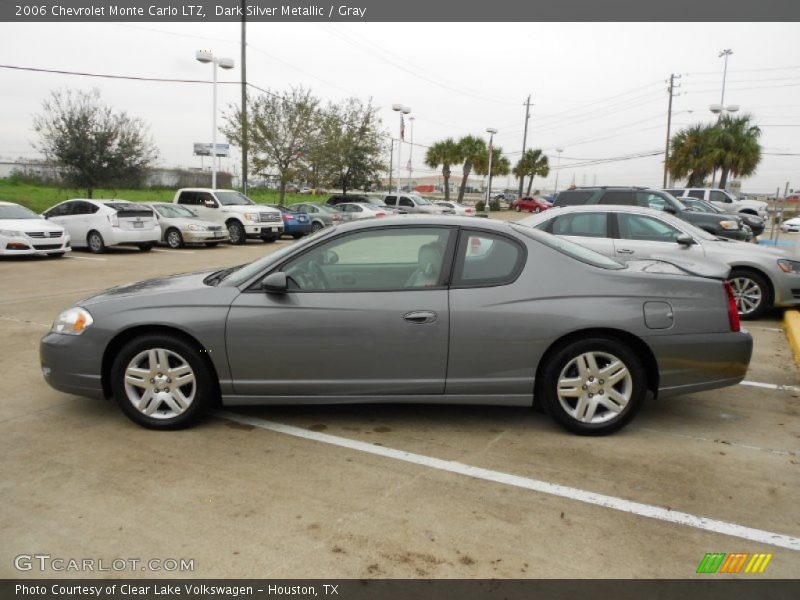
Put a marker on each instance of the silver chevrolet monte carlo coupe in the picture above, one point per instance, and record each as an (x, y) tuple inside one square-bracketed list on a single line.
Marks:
[(442, 310)]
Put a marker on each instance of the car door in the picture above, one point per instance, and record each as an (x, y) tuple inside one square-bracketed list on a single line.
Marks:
[(366, 314), (61, 215), (407, 204), (81, 217), (490, 332), (644, 236), (209, 213), (589, 229), (721, 200)]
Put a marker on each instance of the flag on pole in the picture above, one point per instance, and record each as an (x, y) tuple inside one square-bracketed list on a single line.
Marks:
[(402, 129)]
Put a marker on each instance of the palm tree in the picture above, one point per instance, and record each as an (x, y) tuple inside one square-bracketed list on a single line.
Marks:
[(444, 153), (534, 162), (692, 154), (736, 148), (470, 149)]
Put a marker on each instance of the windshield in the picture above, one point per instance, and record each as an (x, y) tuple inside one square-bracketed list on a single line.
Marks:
[(172, 211), (676, 203), (569, 248), (247, 271), (700, 206), (15, 211), (232, 198)]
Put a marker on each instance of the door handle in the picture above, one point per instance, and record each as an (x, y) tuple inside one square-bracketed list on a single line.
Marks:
[(420, 316), (625, 251)]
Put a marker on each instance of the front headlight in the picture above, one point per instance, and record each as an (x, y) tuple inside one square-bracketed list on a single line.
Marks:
[(729, 225), (789, 266), (251, 216), (194, 227), (11, 233), (73, 321)]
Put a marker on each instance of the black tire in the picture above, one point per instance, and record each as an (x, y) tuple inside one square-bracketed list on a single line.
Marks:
[(297, 236), (237, 234), (146, 246), (316, 226), (537, 210), (205, 388), (742, 280), (56, 255), (518, 208), (634, 385), (174, 239), (212, 244), (95, 242), (269, 239)]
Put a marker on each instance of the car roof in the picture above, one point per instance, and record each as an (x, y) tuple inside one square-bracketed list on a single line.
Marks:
[(599, 208), (427, 219)]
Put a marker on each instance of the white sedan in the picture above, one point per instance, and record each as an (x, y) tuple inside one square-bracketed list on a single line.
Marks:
[(352, 211), (23, 232), (456, 208), (791, 225), (96, 224)]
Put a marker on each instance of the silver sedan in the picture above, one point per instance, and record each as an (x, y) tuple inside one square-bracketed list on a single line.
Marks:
[(181, 226), (528, 317), (761, 277)]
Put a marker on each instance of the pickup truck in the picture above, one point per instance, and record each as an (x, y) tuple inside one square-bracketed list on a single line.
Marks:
[(241, 216), (723, 199)]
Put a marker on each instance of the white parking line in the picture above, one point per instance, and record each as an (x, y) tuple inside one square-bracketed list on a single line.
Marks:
[(544, 487), (86, 258), (770, 386), (173, 251)]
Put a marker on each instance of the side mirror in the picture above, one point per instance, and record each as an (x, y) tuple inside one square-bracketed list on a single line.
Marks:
[(685, 240), (210, 204), (669, 209), (275, 283)]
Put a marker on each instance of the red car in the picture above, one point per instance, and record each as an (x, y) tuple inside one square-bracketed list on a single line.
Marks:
[(533, 205)]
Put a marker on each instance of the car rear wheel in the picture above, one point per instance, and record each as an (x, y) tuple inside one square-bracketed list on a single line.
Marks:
[(593, 386), (95, 242), (518, 208), (537, 210), (316, 226), (236, 233), (752, 293), (174, 239), (161, 382)]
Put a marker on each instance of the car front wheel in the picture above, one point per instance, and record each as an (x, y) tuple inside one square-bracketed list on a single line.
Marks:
[(95, 242), (174, 239), (236, 233), (162, 382), (593, 386), (752, 293)]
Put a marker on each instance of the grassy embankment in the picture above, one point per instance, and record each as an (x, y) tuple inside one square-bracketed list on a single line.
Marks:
[(41, 197)]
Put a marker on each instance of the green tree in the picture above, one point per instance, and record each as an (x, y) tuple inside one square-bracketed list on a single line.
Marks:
[(280, 129), (736, 148), (351, 141), (692, 154), (532, 164), (444, 153), (500, 164), (93, 145), (470, 149)]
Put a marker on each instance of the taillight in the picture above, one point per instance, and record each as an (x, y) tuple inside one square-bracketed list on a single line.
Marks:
[(380, 214), (733, 312), (288, 217), (337, 217), (469, 210), (114, 220)]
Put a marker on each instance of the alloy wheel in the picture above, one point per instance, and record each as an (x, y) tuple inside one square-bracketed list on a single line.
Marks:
[(160, 383), (594, 387), (748, 294)]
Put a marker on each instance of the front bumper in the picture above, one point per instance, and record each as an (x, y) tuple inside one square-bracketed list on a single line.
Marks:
[(72, 364), (198, 237), (697, 362), (264, 230), (28, 246)]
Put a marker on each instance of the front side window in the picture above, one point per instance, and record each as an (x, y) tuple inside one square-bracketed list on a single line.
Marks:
[(717, 196), (643, 228), (382, 260), (582, 224), (484, 259), (203, 197), (60, 210), (406, 202)]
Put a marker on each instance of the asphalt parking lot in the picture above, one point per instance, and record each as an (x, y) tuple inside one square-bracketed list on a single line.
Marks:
[(284, 492)]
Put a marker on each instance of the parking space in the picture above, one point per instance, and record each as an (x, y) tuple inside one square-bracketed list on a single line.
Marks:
[(320, 491)]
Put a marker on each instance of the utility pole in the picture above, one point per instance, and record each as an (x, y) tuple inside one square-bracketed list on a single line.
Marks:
[(525, 139), (671, 91), (391, 161), (245, 140)]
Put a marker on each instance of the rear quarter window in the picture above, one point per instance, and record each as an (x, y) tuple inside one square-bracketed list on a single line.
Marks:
[(573, 198)]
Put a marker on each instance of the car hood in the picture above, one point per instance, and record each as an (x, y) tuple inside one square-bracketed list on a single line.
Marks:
[(151, 287), (733, 248), (670, 265), (29, 225)]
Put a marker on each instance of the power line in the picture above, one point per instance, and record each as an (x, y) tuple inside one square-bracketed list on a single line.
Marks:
[(108, 76)]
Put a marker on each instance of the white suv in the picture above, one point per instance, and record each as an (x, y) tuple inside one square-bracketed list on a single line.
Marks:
[(243, 217), (724, 200), (95, 224)]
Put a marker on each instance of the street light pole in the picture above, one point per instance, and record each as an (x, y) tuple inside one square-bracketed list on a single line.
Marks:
[(726, 53), (403, 110), (525, 139), (206, 56), (671, 91), (558, 165), (491, 131), (411, 154)]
